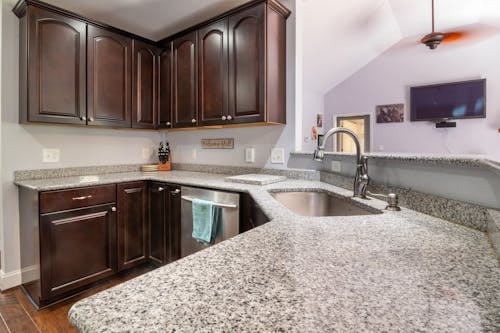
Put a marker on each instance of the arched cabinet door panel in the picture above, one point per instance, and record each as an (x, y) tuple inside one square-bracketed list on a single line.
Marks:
[(185, 103), (56, 68), (247, 65), (144, 85), (109, 78), (213, 73)]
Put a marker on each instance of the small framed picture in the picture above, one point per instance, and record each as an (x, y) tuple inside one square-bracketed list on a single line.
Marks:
[(390, 113), (319, 120)]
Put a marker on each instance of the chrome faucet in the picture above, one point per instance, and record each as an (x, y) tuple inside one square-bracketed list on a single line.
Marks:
[(361, 179)]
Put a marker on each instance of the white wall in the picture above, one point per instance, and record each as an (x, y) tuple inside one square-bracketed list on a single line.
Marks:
[(386, 80), (313, 104)]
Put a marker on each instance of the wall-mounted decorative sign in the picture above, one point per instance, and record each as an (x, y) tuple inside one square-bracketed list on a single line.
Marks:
[(390, 113), (227, 143)]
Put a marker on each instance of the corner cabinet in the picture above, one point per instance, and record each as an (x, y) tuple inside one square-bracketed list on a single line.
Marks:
[(52, 68), (144, 85)]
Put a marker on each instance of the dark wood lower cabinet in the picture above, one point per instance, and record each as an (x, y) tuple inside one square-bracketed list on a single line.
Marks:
[(132, 224), (164, 222), (251, 215), (72, 239), (77, 247)]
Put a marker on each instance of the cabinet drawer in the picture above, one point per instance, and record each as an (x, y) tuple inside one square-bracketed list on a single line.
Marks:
[(54, 201)]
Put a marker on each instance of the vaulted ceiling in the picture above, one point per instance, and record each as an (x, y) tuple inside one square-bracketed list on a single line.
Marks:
[(340, 37)]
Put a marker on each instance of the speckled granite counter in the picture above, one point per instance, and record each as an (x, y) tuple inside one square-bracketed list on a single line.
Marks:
[(394, 272)]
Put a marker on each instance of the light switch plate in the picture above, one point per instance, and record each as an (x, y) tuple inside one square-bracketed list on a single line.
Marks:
[(278, 155), (250, 155), (336, 166), (146, 153), (50, 155)]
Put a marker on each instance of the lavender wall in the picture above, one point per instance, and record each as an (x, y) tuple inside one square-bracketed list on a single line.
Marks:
[(386, 80)]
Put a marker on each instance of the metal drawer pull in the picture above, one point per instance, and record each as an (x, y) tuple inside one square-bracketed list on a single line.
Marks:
[(216, 204), (83, 198), (176, 191)]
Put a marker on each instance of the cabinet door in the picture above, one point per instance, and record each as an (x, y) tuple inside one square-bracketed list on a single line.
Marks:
[(77, 247), (157, 223), (185, 107), (56, 69), (174, 222), (144, 85), (246, 65), (109, 76), (213, 73), (132, 224), (165, 87)]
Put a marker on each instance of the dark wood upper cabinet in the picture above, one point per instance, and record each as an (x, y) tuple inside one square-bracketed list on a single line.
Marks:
[(185, 79), (247, 65), (108, 78), (213, 73), (165, 68), (132, 224), (56, 64), (144, 85), (231, 69)]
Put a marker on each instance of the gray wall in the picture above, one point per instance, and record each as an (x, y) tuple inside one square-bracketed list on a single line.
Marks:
[(386, 80)]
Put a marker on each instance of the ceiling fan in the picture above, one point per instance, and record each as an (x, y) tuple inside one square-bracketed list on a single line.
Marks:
[(433, 39)]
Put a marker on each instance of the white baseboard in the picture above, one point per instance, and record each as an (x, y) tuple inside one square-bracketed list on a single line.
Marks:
[(10, 279)]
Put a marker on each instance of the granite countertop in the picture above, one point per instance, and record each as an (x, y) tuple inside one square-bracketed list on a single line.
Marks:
[(393, 272), (467, 161)]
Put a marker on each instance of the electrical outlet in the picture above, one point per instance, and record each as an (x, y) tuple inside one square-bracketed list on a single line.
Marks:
[(250, 155), (146, 153), (278, 155), (336, 166), (50, 155)]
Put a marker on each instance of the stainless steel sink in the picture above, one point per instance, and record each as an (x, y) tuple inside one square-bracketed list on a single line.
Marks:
[(316, 203)]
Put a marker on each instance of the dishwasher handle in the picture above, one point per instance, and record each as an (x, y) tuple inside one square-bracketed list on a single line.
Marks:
[(216, 204)]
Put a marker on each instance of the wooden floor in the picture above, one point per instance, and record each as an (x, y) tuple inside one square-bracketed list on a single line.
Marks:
[(17, 314)]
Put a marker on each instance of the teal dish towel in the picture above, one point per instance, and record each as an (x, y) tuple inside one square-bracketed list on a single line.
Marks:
[(206, 219)]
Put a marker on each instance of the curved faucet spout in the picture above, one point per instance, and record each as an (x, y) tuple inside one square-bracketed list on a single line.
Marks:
[(361, 179)]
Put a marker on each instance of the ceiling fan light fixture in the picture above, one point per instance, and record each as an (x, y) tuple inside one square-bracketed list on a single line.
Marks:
[(433, 39)]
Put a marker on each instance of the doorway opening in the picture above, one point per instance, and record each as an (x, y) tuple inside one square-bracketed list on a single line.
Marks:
[(359, 125)]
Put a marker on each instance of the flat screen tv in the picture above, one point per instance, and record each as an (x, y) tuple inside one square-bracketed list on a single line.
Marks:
[(456, 100)]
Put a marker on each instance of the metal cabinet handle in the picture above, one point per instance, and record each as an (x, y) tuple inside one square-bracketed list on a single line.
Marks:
[(176, 191), (113, 209), (160, 189), (193, 120), (82, 198), (229, 117), (223, 117), (83, 118)]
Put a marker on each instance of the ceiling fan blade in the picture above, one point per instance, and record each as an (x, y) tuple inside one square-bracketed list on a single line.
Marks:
[(470, 33)]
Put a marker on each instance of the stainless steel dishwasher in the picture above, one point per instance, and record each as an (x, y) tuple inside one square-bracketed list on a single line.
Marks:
[(229, 225)]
